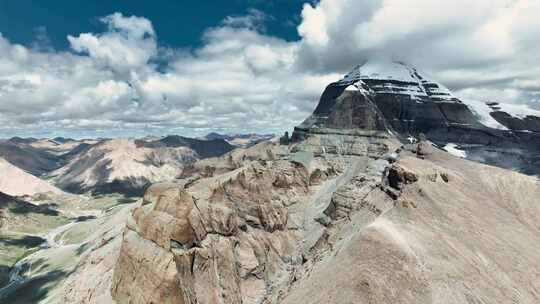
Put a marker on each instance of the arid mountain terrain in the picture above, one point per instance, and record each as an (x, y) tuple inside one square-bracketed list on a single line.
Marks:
[(393, 191), (365, 206), (16, 182), (121, 165), (22, 154), (241, 140), (125, 166), (45, 231)]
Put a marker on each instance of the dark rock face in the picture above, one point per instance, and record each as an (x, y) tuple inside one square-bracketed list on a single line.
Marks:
[(348, 110), (528, 123), (353, 110), (63, 140), (5, 198), (409, 105), (285, 139), (20, 140), (81, 148), (31, 160), (204, 148), (410, 116)]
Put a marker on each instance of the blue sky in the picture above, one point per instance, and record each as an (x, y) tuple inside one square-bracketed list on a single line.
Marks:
[(132, 68), (177, 23)]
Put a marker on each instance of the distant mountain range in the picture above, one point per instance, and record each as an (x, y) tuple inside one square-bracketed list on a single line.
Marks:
[(23, 155), (128, 166), (241, 140), (109, 165), (204, 148)]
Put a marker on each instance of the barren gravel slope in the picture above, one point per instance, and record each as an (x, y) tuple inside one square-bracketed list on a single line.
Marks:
[(473, 239), (16, 182)]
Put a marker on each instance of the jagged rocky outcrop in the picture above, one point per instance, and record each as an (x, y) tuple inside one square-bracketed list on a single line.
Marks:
[(224, 240), (440, 241), (209, 167), (415, 229)]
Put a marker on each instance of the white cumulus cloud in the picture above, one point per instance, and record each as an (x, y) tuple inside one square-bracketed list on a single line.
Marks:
[(122, 82), (478, 46), (129, 44), (238, 80)]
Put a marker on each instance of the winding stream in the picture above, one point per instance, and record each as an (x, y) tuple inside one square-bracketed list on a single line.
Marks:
[(16, 278)]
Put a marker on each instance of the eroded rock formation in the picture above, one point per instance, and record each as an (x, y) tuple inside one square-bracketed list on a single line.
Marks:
[(222, 240)]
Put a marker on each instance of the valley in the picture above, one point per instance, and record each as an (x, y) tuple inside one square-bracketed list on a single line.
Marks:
[(42, 245)]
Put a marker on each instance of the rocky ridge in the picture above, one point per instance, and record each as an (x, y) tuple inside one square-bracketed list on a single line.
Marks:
[(226, 238)]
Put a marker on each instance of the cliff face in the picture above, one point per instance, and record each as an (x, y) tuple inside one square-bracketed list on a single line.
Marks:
[(226, 240)]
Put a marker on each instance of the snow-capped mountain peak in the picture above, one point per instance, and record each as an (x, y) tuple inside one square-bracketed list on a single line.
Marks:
[(393, 77)]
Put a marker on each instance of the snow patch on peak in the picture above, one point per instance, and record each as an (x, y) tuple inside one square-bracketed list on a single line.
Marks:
[(394, 77), (380, 70), (517, 110), (482, 111), (453, 149), (359, 86), (351, 87)]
